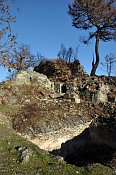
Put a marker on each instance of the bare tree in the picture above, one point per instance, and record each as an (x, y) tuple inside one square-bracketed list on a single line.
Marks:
[(22, 58), (76, 53), (62, 53), (109, 64), (69, 54), (7, 39), (37, 59), (97, 16)]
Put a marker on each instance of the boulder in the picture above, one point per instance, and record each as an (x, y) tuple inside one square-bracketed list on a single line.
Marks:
[(32, 78), (26, 87)]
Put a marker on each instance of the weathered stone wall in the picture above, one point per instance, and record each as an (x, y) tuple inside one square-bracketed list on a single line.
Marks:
[(95, 89), (92, 89), (28, 86), (102, 93)]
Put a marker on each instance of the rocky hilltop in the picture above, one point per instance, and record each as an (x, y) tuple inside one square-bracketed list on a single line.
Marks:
[(63, 110)]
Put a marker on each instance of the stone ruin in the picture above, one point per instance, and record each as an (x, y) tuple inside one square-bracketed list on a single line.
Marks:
[(70, 82), (65, 83), (65, 90), (60, 70)]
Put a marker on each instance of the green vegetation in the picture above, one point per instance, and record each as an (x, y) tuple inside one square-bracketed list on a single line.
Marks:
[(40, 162), (97, 169)]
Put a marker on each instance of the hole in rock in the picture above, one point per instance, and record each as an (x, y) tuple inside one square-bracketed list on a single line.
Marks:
[(81, 151)]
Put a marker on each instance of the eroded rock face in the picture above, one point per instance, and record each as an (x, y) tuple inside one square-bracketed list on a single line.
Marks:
[(59, 124), (26, 87), (96, 144), (103, 130), (32, 78), (30, 86), (49, 116)]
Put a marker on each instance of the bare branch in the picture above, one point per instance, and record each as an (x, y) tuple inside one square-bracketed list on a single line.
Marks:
[(98, 15), (7, 39)]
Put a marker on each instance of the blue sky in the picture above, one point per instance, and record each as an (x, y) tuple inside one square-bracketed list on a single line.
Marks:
[(45, 24)]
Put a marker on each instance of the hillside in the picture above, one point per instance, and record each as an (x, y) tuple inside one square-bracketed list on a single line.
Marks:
[(53, 126)]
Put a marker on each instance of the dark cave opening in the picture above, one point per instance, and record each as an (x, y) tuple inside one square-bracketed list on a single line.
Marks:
[(92, 153), (82, 151)]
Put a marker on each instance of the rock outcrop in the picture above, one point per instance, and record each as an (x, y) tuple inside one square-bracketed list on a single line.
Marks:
[(97, 143), (26, 87), (32, 78), (54, 123), (103, 130), (60, 70), (29, 86), (56, 113)]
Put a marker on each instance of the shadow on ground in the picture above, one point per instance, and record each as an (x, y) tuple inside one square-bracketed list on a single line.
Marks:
[(81, 151)]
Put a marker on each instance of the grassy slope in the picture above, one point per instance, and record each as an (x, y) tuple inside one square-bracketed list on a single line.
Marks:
[(41, 162)]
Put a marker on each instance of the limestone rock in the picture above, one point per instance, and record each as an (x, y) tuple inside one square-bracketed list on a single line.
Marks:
[(57, 95), (102, 93), (32, 78), (25, 154), (26, 87)]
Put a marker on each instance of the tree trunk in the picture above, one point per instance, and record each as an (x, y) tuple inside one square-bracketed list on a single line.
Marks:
[(95, 65)]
